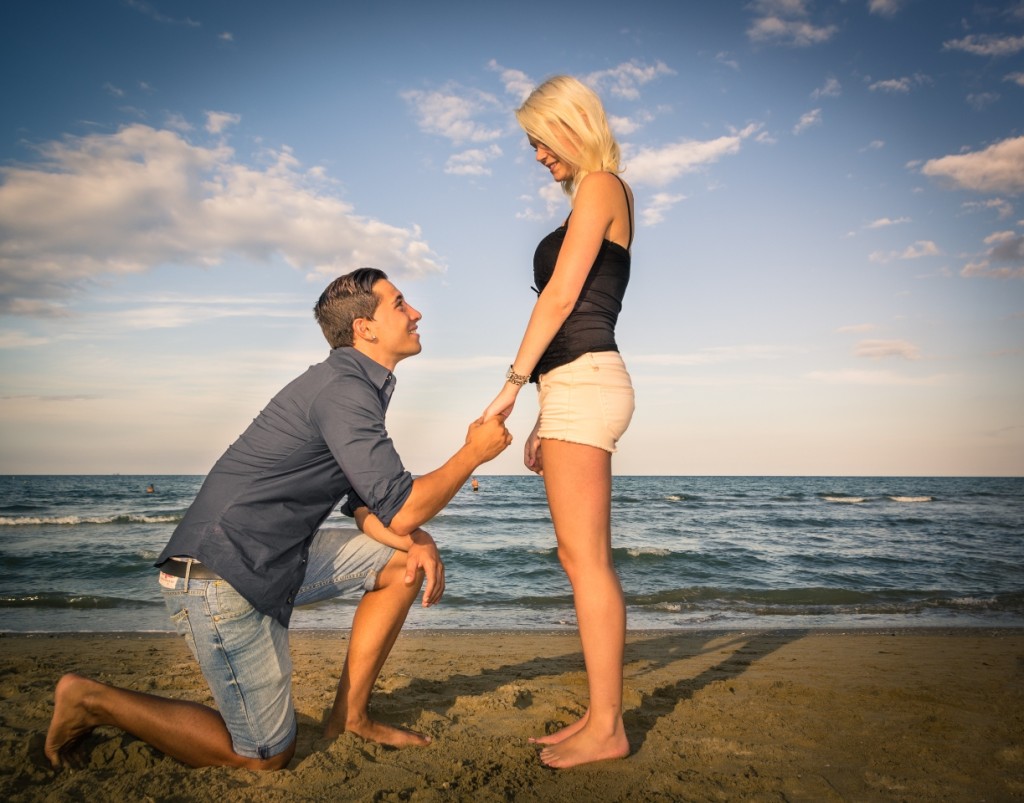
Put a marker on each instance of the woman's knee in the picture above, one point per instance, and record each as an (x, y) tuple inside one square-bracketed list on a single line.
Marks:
[(584, 563)]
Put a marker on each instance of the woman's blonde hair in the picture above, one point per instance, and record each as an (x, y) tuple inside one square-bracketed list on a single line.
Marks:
[(567, 118)]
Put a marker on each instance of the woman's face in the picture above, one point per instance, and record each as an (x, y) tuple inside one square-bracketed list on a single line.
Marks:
[(560, 171)]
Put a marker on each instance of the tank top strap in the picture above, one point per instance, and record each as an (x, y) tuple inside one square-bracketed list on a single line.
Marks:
[(629, 210)]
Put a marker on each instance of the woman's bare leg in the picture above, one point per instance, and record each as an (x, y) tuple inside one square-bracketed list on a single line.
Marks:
[(578, 483)]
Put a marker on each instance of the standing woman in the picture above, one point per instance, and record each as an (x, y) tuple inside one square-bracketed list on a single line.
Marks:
[(586, 398)]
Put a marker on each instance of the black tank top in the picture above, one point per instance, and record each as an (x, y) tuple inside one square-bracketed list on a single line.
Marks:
[(591, 324)]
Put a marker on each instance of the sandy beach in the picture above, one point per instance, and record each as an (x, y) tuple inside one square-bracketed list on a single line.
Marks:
[(904, 715)]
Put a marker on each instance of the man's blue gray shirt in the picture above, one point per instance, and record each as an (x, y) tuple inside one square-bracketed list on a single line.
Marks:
[(318, 441)]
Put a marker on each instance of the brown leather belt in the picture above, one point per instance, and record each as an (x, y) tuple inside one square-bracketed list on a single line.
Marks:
[(177, 568)]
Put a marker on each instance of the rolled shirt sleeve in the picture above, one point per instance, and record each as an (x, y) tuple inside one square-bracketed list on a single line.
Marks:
[(351, 418)]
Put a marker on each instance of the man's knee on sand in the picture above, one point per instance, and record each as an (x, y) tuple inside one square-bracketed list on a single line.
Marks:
[(278, 762)]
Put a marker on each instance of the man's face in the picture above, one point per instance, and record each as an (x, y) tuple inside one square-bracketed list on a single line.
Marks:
[(394, 323)]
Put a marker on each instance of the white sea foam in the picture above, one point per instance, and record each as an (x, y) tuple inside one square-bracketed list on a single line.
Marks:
[(849, 500), (911, 498), (636, 552), (21, 521)]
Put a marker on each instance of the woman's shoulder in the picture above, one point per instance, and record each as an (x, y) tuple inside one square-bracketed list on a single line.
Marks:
[(603, 185), (603, 180)]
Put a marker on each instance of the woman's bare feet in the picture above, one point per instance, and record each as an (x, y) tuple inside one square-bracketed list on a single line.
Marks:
[(71, 719), (374, 731), (586, 746), (562, 734)]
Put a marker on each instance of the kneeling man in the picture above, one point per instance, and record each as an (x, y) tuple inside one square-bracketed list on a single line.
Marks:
[(251, 547)]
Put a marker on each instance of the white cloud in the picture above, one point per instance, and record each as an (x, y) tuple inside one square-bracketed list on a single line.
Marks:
[(922, 248), (219, 122), (882, 349), (727, 59), (808, 120), (126, 202), (979, 101), (786, 22), (1003, 208), (624, 126), (997, 168), (714, 356), (873, 378), (452, 114), (472, 162), (856, 328), (901, 86), (553, 200), (885, 8), (660, 203), (517, 83), (884, 222), (625, 80), (151, 12), (1004, 258), (831, 89), (987, 44), (659, 166), (1015, 77), (18, 340)]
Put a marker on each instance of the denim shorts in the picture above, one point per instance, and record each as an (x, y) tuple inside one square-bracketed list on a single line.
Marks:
[(244, 654), (589, 400)]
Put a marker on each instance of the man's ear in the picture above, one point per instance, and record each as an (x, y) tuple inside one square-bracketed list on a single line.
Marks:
[(361, 331)]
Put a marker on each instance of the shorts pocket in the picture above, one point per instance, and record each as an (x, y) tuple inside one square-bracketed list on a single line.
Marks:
[(226, 604)]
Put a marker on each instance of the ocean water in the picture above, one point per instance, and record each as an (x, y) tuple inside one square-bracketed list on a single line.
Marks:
[(76, 553)]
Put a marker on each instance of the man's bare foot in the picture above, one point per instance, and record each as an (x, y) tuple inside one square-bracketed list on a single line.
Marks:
[(584, 747), (71, 717), (563, 734), (374, 731)]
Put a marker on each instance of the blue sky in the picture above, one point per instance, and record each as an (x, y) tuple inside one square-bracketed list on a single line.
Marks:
[(828, 271)]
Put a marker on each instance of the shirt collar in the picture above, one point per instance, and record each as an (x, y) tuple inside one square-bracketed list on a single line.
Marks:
[(380, 376)]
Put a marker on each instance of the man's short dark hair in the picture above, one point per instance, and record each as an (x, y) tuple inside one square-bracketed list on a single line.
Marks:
[(347, 298)]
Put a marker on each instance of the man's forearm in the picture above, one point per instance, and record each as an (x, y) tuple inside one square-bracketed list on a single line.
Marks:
[(431, 492)]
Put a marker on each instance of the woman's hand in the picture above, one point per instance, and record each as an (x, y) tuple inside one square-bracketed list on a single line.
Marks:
[(423, 556), (531, 452), (503, 402)]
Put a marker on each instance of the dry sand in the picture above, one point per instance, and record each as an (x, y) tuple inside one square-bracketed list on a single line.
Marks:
[(915, 715)]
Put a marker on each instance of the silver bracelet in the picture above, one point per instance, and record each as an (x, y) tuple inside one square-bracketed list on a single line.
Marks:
[(516, 379)]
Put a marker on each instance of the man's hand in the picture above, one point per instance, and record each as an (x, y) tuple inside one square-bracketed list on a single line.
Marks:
[(423, 555), (488, 438)]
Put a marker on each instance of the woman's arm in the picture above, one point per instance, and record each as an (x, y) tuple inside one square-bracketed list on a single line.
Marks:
[(422, 554), (593, 212)]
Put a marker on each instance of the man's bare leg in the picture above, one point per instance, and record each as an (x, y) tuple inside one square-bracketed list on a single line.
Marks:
[(190, 732), (375, 628)]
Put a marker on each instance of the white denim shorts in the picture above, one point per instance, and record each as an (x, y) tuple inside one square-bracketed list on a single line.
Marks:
[(588, 401)]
